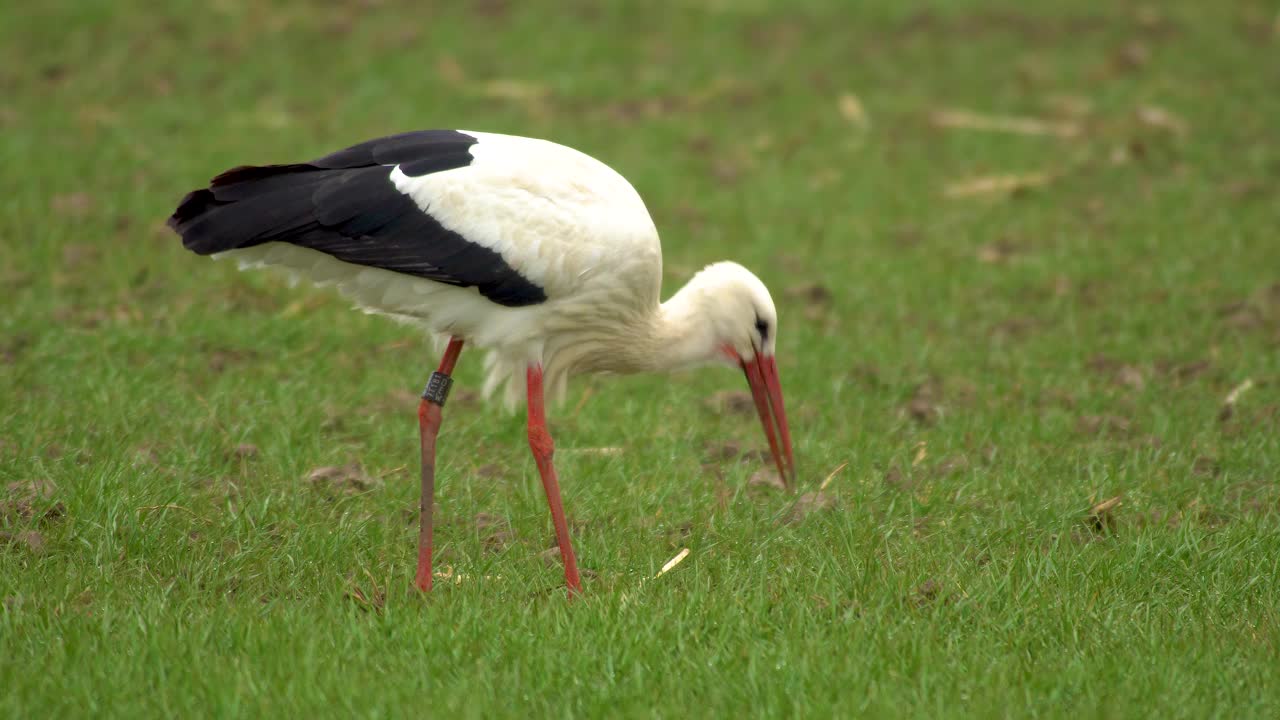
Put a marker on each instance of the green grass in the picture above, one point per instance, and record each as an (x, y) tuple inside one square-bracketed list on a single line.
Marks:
[(989, 367)]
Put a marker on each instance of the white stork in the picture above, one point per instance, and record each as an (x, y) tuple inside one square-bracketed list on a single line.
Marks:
[(536, 252)]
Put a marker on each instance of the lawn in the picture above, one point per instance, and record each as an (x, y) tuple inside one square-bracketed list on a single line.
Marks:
[(1027, 263)]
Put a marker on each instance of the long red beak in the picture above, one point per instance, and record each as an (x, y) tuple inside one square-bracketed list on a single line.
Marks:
[(766, 390)]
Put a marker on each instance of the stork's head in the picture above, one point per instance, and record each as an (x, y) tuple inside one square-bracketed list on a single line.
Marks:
[(738, 325)]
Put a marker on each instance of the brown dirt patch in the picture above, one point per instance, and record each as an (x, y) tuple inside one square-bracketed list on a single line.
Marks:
[(731, 402), (341, 480), (809, 503), (767, 477), (31, 500), (29, 540)]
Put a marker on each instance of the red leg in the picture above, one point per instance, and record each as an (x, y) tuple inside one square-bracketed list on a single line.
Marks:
[(543, 449), (429, 419)]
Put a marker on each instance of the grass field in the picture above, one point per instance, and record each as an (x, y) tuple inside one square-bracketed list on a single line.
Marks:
[(1028, 271)]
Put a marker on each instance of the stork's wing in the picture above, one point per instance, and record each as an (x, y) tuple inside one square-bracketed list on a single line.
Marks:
[(349, 205)]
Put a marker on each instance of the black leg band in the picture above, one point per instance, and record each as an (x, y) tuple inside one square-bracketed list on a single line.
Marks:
[(438, 388)]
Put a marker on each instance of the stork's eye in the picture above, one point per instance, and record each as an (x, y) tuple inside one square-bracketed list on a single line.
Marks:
[(762, 327)]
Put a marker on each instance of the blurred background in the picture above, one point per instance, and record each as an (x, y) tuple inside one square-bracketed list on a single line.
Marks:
[(999, 192)]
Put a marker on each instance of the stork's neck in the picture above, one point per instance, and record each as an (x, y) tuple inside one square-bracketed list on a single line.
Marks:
[(678, 334), (719, 316)]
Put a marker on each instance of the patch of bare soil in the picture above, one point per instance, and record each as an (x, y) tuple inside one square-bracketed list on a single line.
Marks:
[(30, 540), (930, 593), (809, 503), (767, 477), (1117, 372), (815, 298), (728, 451), (494, 531), (925, 405), (731, 402), (29, 500), (1104, 425), (900, 481), (341, 480)]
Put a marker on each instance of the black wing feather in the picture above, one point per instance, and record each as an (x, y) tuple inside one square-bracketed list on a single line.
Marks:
[(345, 205)]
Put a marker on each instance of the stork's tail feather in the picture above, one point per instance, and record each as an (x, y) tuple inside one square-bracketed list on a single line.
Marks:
[(192, 207), (247, 206)]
